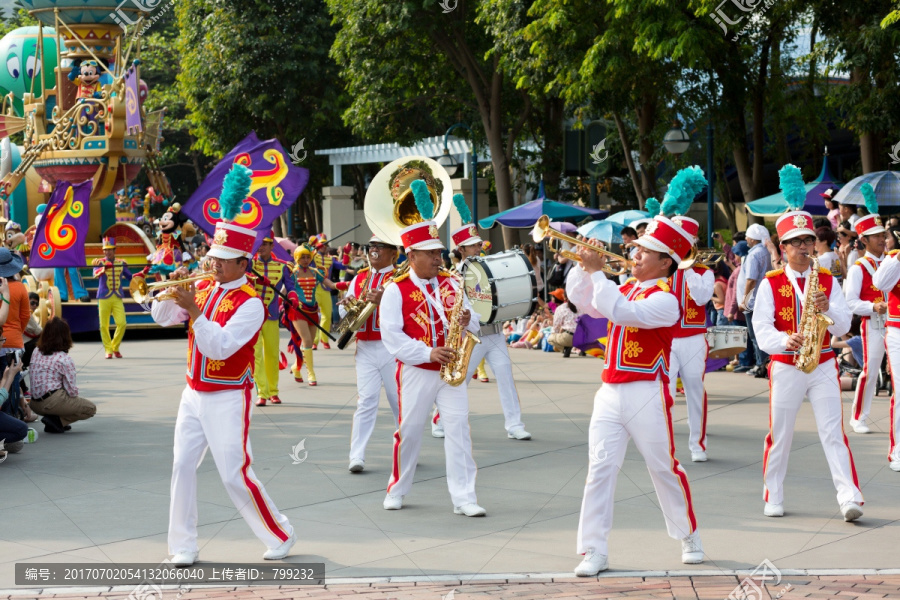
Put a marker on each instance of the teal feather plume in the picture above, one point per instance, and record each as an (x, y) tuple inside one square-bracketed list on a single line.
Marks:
[(652, 206), (868, 193), (683, 188), (423, 199), (462, 208), (235, 190), (792, 186)]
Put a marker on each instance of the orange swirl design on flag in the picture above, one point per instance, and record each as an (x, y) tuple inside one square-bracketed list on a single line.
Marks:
[(59, 235), (267, 179), (250, 217)]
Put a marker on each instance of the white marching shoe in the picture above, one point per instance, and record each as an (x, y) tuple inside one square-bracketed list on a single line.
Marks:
[(859, 426), (518, 433), (773, 510), (895, 462), (470, 510), (356, 465), (185, 559), (281, 551), (698, 456), (437, 430), (592, 564), (392, 502), (691, 549), (851, 511)]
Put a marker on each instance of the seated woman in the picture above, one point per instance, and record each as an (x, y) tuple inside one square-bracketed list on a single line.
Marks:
[(12, 430), (564, 325), (54, 394)]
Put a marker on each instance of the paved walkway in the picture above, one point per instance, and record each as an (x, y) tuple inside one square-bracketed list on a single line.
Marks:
[(100, 492)]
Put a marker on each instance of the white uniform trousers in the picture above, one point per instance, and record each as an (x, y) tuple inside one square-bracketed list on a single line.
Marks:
[(641, 410), (787, 387), (493, 348), (688, 360), (893, 349), (219, 421), (873, 354), (418, 389), (374, 367)]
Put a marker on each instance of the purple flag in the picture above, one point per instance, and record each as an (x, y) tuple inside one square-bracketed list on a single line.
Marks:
[(61, 231), (132, 101), (276, 185)]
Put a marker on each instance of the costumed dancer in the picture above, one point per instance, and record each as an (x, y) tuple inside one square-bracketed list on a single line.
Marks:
[(170, 253), (225, 319), (375, 367), (634, 400), (780, 302), (414, 326), (870, 303), (693, 288), (324, 262), (493, 347), (111, 273), (269, 274), (307, 281)]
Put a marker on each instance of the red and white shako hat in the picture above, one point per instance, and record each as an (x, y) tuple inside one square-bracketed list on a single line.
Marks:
[(232, 241), (466, 235), (663, 235), (688, 224), (421, 236), (868, 225), (377, 240), (794, 224)]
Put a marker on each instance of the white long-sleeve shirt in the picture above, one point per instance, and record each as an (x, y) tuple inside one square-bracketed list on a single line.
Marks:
[(408, 350), (599, 297), (888, 274), (853, 285), (771, 340), (213, 340), (700, 286)]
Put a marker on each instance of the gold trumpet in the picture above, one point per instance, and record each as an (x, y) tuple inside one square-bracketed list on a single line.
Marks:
[(542, 231), (144, 293), (709, 257)]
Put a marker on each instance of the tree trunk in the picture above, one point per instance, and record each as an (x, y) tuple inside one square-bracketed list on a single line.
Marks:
[(646, 118), (551, 158), (197, 171), (759, 119), (626, 148), (870, 152)]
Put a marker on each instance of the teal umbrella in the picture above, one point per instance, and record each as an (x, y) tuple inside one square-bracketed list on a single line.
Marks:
[(626, 217), (526, 215), (775, 205), (606, 231)]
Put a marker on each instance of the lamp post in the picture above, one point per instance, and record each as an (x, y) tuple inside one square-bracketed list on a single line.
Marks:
[(447, 161)]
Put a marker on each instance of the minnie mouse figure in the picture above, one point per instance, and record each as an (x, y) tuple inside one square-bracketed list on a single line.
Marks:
[(170, 253)]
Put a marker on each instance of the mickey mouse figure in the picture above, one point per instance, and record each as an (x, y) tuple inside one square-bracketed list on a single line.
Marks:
[(87, 77), (170, 253)]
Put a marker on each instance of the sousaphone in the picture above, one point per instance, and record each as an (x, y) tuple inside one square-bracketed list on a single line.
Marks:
[(390, 205)]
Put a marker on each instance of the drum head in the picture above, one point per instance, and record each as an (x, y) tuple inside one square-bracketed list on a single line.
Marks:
[(479, 289), (500, 286)]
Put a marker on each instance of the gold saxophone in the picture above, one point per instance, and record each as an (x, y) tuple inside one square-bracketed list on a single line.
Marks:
[(813, 325), (461, 341)]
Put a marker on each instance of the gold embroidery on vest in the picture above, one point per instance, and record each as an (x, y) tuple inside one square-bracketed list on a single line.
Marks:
[(215, 365), (632, 349), (785, 290), (226, 304), (416, 296), (787, 313), (631, 329), (691, 313)]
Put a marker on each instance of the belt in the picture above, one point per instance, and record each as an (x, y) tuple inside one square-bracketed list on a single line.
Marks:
[(47, 395), (492, 329)]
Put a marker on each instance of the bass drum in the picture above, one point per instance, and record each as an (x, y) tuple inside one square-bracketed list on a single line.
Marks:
[(500, 286)]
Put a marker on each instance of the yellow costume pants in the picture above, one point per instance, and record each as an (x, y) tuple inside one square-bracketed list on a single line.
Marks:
[(112, 306), (323, 297), (266, 352)]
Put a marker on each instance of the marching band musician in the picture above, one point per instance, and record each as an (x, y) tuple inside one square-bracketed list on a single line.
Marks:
[(375, 367), (269, 274), (870, 303), (493, 343), (693, 288), (776, 319), (225, 319), (634, 400), (414, 326), (110, 273)]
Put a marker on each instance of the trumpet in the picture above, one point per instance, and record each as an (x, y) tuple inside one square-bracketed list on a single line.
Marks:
[(709, 257), (144, 293), (542, 231)]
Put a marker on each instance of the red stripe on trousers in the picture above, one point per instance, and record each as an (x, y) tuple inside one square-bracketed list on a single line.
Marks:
[(679, 472), (864, 376), (769, 438), (395, 466), (253, 487)]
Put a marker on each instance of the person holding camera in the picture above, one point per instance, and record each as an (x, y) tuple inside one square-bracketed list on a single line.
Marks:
[(18, 314)]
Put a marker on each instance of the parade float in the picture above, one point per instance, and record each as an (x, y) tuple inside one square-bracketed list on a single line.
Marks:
[(71, 86)]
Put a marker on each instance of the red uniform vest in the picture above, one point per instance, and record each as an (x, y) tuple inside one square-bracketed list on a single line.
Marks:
[(371, 330), (693, 316), (420, 320), (634, 354), (867, 291), (893, 300), (236, 372), (788, 308)]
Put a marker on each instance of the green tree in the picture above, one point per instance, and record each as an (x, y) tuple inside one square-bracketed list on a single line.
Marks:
[(262, 65)]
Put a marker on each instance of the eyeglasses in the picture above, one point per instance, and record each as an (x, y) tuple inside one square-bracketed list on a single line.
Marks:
[(379, 247), (221, 261), (843, 233), (797, 242)]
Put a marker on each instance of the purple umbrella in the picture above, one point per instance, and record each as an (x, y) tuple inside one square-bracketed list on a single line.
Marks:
[(563, 227)]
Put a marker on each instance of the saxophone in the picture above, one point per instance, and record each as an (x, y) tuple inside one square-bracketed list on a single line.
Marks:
[(813, 325), (461, 341)]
